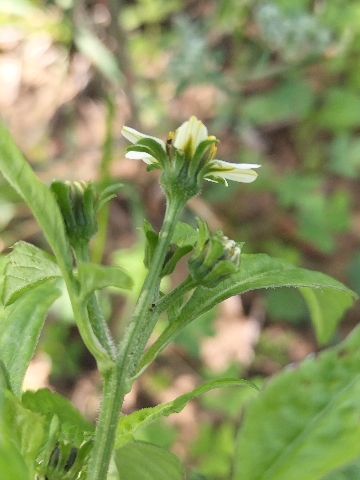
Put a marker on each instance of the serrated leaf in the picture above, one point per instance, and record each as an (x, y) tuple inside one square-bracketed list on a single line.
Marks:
[(145, 461), (74, 427), (128, 424), (20, 327), (256, 272), (28, 267), (326, 309), (94, 277), (306, 420)]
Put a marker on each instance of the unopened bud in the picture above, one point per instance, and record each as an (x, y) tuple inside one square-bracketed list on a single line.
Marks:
[(215, 258)]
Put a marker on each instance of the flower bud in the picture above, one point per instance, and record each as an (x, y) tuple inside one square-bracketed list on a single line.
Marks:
[(216, 257), (78, 202)]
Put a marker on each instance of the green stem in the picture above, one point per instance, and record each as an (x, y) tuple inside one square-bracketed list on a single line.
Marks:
[(130, 351), (96, 317), (163, 304)]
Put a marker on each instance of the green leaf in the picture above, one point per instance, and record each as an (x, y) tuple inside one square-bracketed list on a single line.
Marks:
[(340, 110), (326, 308), (20, 327), (292, 100), (28, 267), (306, 420), (41, 201), (99, 54), (20, 439), (151, 242), (26, 428), (145, 461), (74, 427), (256, 271), (93, 277), (128, 424), (182, 242)]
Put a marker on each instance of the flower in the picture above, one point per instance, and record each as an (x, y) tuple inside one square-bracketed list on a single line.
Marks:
[(192, 142)]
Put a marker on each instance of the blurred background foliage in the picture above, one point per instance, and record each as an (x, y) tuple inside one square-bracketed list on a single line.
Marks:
[(279, 84)]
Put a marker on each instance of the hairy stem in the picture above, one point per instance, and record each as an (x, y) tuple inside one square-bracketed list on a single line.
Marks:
[(130, 350)]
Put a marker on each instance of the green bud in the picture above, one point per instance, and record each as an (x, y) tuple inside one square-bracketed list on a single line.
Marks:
[(216, 257), (78, 205)]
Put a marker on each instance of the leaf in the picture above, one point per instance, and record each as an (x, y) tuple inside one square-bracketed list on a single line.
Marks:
[(103, 59), (20, 327), (93, 277), (291, 100), (326, 309), (128, 424), (41, 201), (26, 429), (182, 242), (306, 421), (28, 267), (74, 427), (256, 271), (145, 461), (340, 110), (14, 447)]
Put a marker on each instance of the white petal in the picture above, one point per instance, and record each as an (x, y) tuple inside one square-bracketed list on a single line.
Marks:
[(134, 136), (244, 176), (190, 134), (227, 165), (145, 157), (239, 172)]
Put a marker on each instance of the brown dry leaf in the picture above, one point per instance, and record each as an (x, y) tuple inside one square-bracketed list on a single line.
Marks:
[(86, 395), (37, 374), (235, 338)]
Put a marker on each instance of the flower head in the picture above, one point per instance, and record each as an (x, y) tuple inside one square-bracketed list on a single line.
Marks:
[(189, 149)]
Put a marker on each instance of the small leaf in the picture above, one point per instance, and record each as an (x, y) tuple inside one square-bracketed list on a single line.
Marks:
[(27, 268), (145, 461), (93, 277), (151, 242), (20, 327), (74, 427), (306, 420), (128, 424)]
